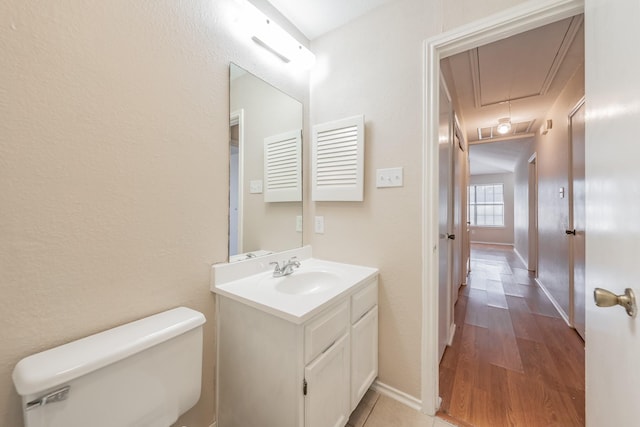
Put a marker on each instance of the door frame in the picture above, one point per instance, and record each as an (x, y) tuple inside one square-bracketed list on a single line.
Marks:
[(236, 118), (507, 23), (572, 255), (532, 236)]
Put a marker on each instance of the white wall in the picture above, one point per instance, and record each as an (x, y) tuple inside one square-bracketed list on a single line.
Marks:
[(374, 66), (521, 203), (114, 154), (553, 211), (502, 235), (114, 168)]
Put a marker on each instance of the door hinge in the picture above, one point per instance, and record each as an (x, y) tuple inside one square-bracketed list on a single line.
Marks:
[(304, 387)]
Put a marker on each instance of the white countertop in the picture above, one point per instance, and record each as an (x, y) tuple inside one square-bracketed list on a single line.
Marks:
[(260, 290)]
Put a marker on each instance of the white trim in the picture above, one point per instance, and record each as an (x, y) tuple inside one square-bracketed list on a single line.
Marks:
[(492, 243), (559, 309), (533, 239), (452, 334), (572, 224), (397, 395), (237, 118), (526, 265), (512, 21)]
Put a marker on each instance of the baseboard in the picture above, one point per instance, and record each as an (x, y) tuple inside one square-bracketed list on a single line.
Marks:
[(492, 243), (559, 309), (525, 263), (397, 395), (452, 333)]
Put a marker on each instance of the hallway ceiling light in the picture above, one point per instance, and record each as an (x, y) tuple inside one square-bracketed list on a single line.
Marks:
[(504, 126)]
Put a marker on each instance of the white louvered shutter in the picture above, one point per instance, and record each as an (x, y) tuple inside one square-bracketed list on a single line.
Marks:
[(337, 160), (283, 167)]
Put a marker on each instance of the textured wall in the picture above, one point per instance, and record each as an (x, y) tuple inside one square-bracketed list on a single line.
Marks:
[(374, 66), (113, 164), (459, 12)]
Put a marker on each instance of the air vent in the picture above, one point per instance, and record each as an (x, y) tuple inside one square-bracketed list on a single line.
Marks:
[(283, 167), (519, 128), (338, 160)]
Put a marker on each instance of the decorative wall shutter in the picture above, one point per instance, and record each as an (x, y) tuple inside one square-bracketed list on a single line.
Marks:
[(283, 167), (337, 160)]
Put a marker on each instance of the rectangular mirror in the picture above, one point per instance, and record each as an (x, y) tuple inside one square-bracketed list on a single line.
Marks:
[(265, 164)]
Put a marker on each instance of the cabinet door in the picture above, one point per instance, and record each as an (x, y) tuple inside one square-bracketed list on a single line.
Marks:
[(327, 401), (364, 355)]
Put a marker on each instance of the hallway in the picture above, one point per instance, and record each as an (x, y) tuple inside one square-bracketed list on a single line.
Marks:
[(513, 360)]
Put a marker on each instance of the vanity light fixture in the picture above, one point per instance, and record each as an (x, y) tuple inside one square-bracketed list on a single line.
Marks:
[(266, 33)]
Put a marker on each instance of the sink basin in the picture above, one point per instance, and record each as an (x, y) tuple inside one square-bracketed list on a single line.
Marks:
[(306, 282)]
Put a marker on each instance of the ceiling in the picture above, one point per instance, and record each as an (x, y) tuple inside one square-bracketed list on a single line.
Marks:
[(317, 17), (518, 78)]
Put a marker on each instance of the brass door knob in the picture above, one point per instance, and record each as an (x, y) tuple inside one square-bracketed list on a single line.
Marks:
[(605, 298)]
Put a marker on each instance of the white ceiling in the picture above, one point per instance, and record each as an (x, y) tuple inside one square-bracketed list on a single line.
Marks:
[(317, 17), (519, 77)]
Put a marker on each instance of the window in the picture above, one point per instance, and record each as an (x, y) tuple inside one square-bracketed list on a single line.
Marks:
[(486, 205)]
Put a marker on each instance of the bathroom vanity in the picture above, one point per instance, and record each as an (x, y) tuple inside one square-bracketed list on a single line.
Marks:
[(298, 350)]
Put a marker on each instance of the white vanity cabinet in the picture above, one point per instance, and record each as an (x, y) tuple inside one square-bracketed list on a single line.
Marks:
[(364, 341), (275, 372)]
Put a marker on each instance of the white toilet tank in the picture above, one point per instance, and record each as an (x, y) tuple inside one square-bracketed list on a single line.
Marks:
[(142, 374)]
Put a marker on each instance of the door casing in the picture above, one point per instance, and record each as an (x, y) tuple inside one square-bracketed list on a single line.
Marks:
[(505, 24)]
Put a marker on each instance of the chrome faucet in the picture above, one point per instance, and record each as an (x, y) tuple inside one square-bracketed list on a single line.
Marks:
[(287, 267)]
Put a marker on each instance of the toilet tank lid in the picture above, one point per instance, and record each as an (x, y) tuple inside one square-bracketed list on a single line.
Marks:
[(59, 365)]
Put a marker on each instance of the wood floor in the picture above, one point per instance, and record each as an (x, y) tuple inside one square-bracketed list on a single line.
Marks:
[(513, 361)]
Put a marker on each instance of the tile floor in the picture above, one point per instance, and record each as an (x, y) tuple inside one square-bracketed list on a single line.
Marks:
[(377, 410)]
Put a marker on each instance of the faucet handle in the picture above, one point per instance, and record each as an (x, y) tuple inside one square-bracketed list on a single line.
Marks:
[(294, 261), (277, 266)]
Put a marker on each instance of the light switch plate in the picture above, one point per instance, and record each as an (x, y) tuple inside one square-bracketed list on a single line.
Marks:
[(255, 186), (390, 177), (319, 224), (299, 223)]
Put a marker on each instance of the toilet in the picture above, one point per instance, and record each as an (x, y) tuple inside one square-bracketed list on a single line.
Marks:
[(142, 374)]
